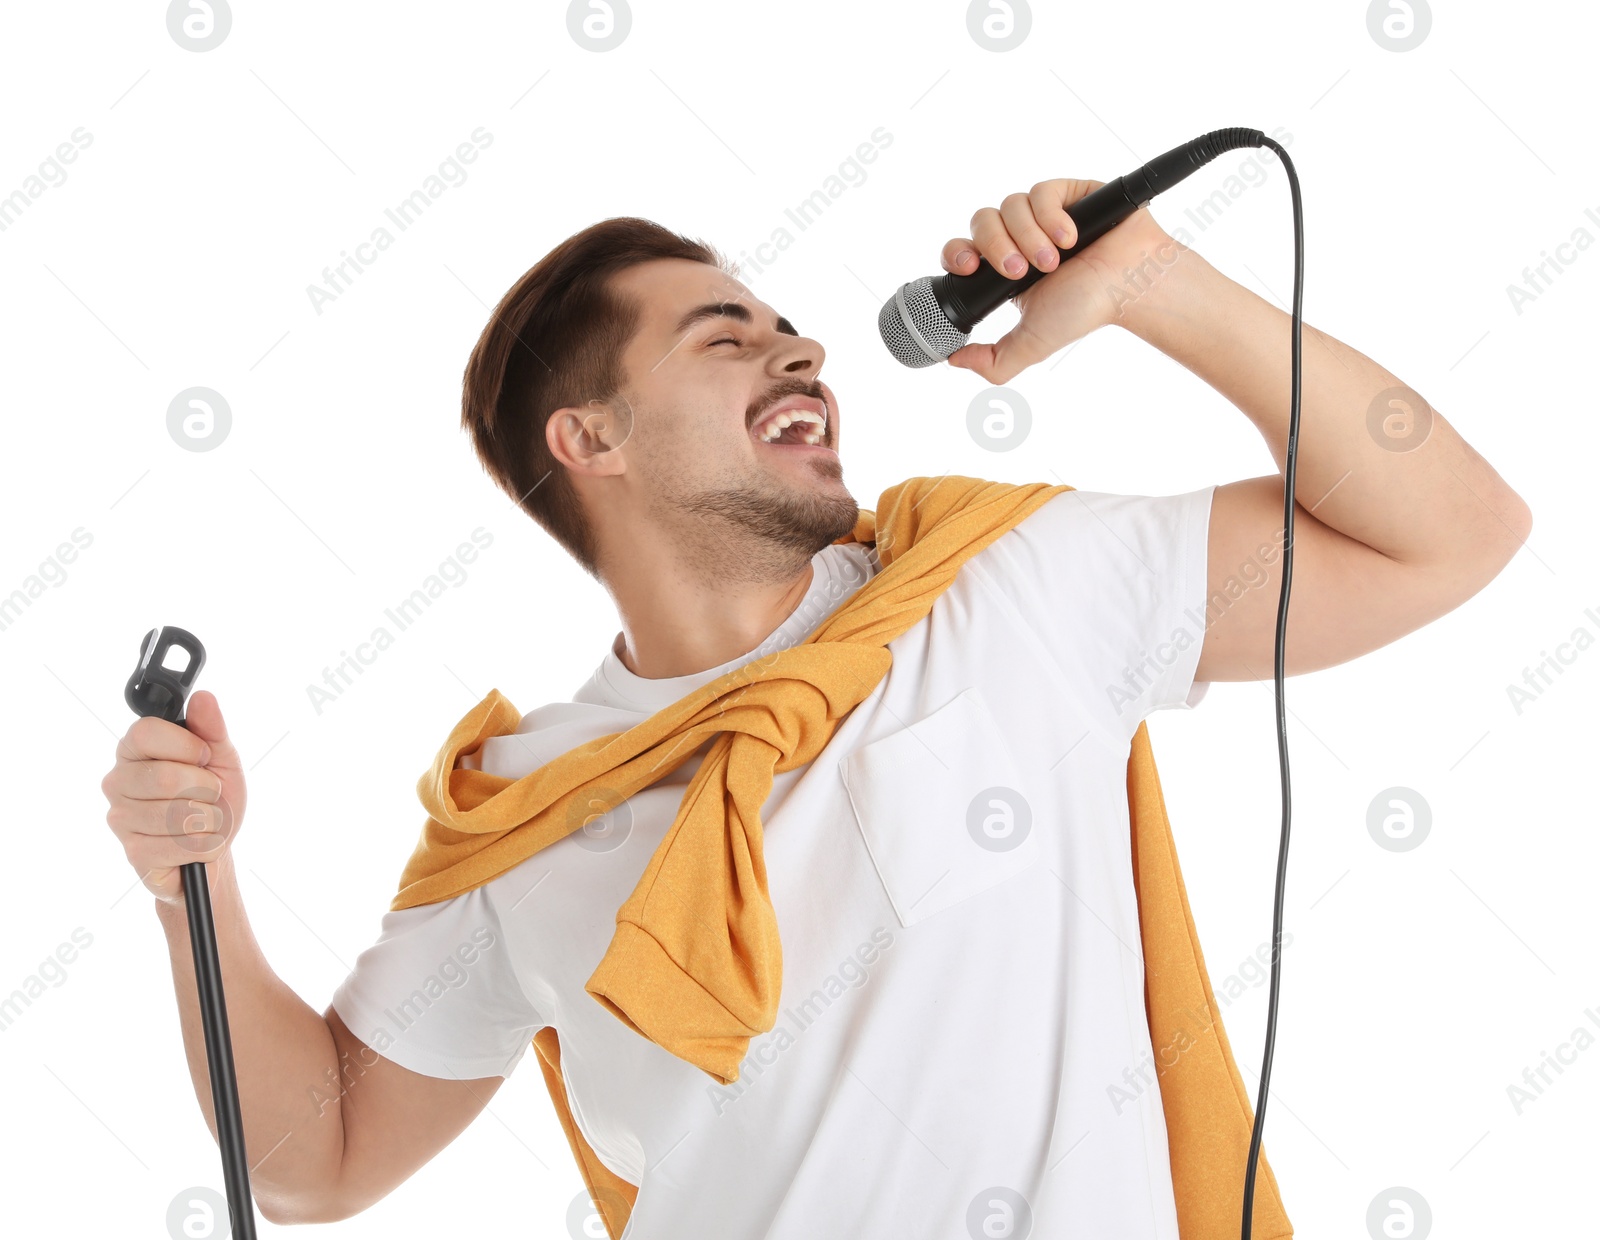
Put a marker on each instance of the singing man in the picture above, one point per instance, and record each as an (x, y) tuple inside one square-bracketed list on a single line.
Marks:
[(817, 897)]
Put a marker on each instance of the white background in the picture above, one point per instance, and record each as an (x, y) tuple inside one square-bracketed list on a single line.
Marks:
[(219, 184)]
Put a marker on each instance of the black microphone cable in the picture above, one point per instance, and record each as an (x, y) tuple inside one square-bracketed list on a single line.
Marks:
[(1290, 456), (929, 319)]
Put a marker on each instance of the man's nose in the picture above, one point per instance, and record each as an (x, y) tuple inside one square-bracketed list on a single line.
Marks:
[(798, 355)]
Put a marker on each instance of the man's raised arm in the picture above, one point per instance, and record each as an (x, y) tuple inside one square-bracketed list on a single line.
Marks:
[(1397, 519)]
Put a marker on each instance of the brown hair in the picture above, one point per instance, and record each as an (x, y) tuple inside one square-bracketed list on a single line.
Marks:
[(556, 340)]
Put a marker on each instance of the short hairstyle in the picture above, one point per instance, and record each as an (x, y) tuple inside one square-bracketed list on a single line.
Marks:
[(556, 340)]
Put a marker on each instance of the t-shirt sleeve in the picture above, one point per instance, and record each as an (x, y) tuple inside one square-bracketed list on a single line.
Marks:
[(1115, 587), (438, 991)]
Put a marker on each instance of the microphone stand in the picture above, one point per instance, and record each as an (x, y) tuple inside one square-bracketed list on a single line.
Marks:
[(157, 690)]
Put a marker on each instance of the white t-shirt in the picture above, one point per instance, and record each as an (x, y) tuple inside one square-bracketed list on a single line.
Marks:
[(961, 1039)]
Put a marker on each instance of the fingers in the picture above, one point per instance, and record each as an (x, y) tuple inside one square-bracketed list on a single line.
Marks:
[(1026, 230), (1049, 200), (1017, 214), (158, 837), (959, 255), (996, 244), (204, 720), (151, 738), (159, 780), (169, 795), (156, 860), (175, 830), (1014, 237)]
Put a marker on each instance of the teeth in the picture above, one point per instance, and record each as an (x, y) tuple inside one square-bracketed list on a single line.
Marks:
[(775, 425)]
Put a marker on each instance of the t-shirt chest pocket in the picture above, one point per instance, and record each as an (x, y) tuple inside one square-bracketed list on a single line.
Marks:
[(942, 808)]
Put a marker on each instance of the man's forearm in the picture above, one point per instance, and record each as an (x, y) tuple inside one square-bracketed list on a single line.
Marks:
[(1416, 502), (283, 1051)]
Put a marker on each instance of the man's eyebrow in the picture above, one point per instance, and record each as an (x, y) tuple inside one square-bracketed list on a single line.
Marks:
[(727, 310)]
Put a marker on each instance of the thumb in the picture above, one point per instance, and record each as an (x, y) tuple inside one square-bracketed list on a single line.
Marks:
[(1006, 358), (203, 717)]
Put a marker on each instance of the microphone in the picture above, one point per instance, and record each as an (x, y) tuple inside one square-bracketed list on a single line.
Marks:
[(929, 319), (162, 691)]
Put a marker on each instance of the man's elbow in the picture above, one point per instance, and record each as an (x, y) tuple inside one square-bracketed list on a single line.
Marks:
[(1467, 559), (1524, 517), (1491, 546), (1509, 532)]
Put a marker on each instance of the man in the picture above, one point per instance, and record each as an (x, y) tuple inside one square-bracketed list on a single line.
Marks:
[(961, 1030)]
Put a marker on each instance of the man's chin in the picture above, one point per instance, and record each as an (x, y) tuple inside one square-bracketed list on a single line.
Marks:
[(804, 512), (818, 474), (811, 464), (817, 508)]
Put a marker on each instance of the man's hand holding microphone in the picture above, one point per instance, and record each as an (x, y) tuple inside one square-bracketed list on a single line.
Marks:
[(177, 795), (1029, 230)]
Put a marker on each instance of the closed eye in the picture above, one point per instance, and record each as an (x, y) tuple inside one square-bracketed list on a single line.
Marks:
[(724, 340)]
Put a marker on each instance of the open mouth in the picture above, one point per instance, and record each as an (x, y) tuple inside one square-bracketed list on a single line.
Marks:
[(798, 423)]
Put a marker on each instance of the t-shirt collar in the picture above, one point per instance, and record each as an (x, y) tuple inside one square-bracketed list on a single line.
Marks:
[(837, 571)]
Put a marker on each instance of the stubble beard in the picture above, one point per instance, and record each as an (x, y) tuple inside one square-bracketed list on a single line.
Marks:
[(767, 528)]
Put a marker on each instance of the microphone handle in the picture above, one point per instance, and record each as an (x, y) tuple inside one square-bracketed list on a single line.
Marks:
[(219, 1049), (967, 300), (155, 689)]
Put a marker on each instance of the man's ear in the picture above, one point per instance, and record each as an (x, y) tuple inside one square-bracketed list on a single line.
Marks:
[(585, 438)]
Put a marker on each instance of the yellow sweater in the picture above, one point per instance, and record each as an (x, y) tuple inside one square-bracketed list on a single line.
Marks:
[(695, 964)]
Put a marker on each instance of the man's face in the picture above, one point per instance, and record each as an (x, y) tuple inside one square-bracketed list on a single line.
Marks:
[(708, 366)]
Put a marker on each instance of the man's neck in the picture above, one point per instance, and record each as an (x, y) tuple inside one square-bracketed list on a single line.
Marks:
[(678, 631)]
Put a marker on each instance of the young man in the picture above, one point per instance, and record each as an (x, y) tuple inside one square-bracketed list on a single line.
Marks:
[(961, 1031)]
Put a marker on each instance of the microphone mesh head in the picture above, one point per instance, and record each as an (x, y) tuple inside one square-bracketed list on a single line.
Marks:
[(915, 329)]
